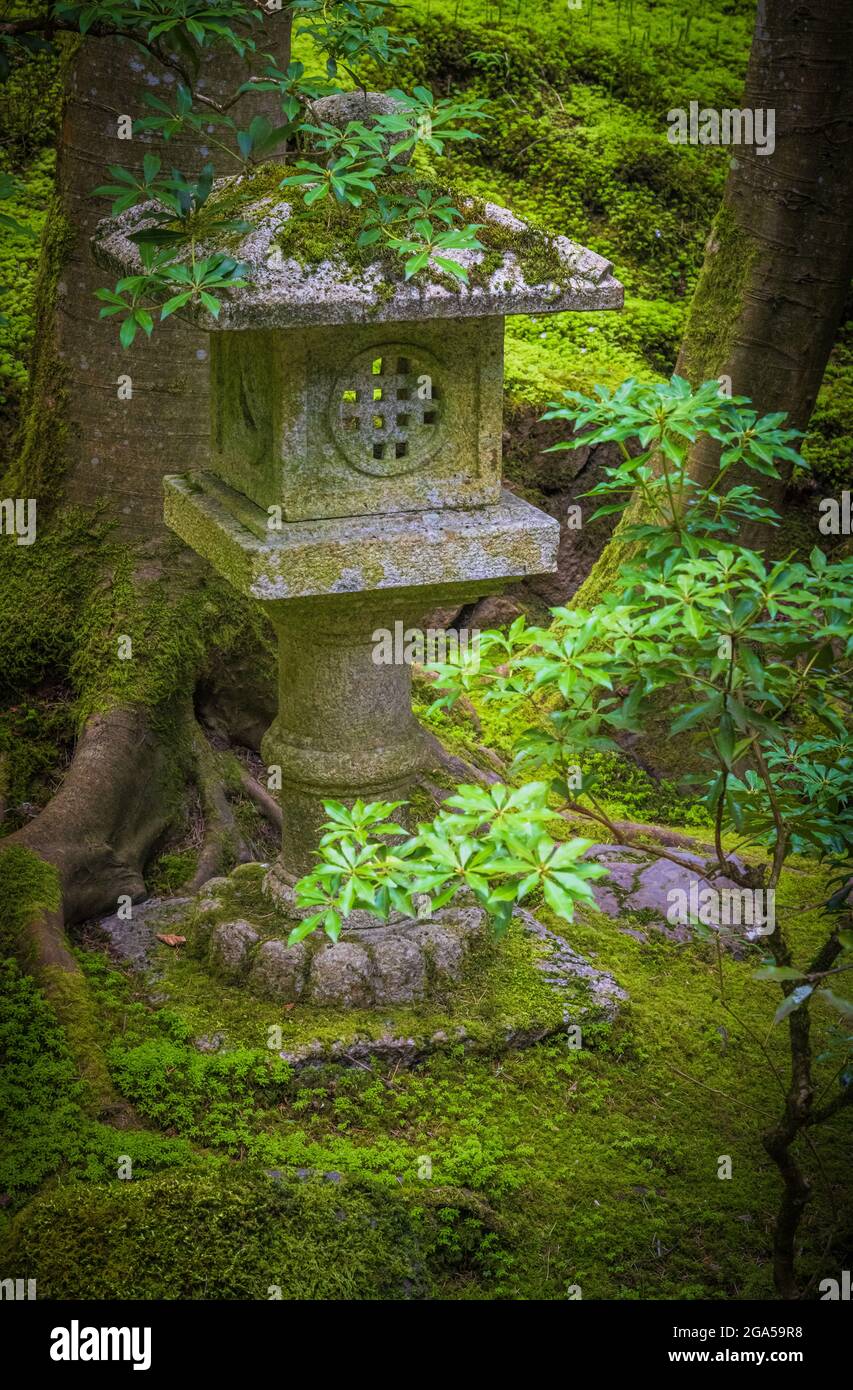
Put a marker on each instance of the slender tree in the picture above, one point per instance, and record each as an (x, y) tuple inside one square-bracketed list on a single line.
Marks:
[(779, 258)]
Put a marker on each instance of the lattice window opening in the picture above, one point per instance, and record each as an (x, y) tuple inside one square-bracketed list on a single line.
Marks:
[(391, 407)]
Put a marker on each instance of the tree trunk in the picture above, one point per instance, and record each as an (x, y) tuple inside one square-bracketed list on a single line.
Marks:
[(79, 439), (83, 446), (779, 259)]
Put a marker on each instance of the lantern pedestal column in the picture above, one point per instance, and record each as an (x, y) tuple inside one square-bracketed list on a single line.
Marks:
[(345, 727)]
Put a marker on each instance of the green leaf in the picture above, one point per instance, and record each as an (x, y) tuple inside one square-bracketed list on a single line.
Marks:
[(305, 928), (176, 302), (843, 1006), (797, 997), (416, 263)]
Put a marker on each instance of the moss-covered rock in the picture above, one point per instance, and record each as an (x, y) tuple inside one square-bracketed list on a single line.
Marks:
[(243, 1234)]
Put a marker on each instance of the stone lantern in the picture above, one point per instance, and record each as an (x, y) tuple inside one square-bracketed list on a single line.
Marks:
[(355, 482)]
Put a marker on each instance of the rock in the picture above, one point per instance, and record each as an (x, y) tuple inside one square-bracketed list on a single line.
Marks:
[(442, 948), (278, 971), (228, 952), (399, 967), (343, 107), (132, 938), (341, 976), (244, 871), (209, 1042), (497, 610), (279, 886), (563, 965), (445, 940), (640, 881), (215, 886), (443, 617), (279, 294)]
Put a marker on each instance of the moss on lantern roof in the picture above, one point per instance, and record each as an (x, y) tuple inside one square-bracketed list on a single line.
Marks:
[(304, 264), (319, 233)]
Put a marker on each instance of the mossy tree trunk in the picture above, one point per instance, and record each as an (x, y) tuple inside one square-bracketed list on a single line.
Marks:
[(778, 263), (779, 259), (86, 450)]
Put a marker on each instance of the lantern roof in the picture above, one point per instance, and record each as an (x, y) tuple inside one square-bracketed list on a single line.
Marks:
[(520, 270)]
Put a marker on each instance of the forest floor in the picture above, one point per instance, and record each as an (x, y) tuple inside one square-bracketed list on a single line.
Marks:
[(521, 1174)]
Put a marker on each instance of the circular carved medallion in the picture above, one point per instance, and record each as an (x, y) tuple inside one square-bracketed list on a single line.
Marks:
[(387, 410)]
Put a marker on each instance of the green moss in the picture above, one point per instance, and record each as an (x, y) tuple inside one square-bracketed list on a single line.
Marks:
[(718, 301), (596, 1166), (169, 871), (28, 887), (577, 142), (29, 894), (30, 99), (46, 1130), (502, 988), (606, 1158), (168, 621), (603, 578), (245, 1235), (35, 737), (43, 589), (828, 447), (601, 1164), (69, 996), (37, 465), (326, 232), (137, 643)]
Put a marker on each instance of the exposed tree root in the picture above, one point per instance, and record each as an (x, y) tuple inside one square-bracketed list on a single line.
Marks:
[(96, 833), (458, 769), (120, 795), (222, 838), (266, 804), (117, 800), (673, 839), (42, 949)]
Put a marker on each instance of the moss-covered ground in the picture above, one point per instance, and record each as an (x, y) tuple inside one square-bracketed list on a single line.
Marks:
[(595, 1166), (510, 1174)]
